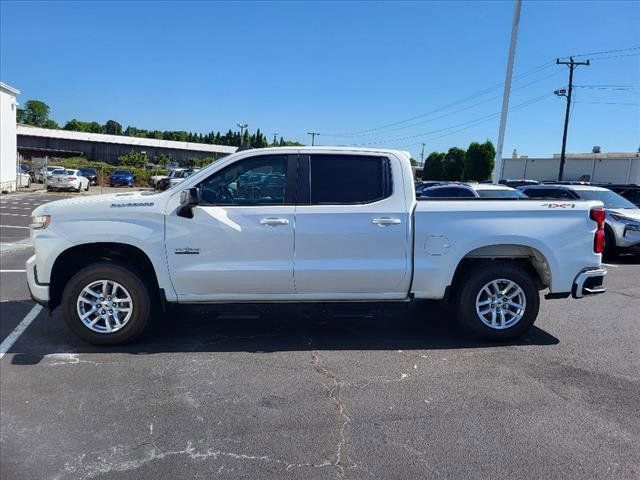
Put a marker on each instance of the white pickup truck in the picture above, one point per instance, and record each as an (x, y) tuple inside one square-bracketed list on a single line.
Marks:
[(308, 225)]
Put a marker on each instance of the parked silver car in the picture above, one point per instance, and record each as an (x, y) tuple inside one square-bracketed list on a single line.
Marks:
[(470, 190)]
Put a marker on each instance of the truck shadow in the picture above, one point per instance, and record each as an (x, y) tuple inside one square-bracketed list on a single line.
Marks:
[(272, 328)]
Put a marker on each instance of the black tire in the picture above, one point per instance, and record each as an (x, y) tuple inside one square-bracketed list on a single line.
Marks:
[(126, 277), (472, 283), (609, 252)]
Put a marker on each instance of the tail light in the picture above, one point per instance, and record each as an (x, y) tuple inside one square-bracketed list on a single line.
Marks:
[(598, 215), (71, 178), (50, 177)]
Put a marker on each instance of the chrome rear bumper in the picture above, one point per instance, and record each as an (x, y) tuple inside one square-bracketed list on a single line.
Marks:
[(589, 282)]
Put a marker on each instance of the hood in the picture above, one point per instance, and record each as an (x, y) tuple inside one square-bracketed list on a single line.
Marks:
[(117, 201), (633, 213)]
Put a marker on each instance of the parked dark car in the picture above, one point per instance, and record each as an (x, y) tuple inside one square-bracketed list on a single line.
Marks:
[(89, 173), (630, 192), (514, 183), (427, 184), (121, 178)]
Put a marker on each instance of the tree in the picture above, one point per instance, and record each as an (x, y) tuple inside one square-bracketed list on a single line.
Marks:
[(113, 128), (48, 123), (453, 165), (35, 113), (433, 166), (134, 159), (479, 161), (74, 125)]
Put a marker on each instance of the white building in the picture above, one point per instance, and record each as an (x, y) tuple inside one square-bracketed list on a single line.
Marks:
[(8, 145), (596, 166)]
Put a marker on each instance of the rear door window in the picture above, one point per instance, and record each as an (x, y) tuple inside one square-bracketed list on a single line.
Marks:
[(348, 179)]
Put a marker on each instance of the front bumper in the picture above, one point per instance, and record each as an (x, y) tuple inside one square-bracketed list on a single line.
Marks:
[(39, 292), (589, 282)]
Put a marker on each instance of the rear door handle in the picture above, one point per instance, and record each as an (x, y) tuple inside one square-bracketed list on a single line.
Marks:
[(272, 222), (384, 221)]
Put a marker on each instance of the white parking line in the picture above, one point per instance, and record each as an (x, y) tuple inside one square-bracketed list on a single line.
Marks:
[(609, 265), (12, 226), (12, 271), (8, 342), (14, 214)]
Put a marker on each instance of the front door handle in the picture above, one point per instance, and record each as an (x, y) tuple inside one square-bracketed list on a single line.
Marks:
[(272, 222), (384, 221)]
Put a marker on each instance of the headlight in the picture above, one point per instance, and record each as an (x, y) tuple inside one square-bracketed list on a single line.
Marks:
[(40, 221), (631, 223)]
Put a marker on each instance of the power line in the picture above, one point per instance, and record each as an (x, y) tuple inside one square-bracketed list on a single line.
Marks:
[(481, 121), (610, 103), (604, 52), (618, 56), (468, 107), (607, 87), (532, 71), (474, 121)]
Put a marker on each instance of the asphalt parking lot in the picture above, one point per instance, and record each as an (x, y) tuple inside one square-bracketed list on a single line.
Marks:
[(358, 391)]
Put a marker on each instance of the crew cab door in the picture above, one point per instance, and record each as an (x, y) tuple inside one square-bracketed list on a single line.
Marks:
[(239, 243), (353, 231)]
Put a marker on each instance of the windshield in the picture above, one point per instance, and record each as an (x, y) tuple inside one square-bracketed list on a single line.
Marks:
[(609, 198), (57, 171), (121, 172), (501, 193)]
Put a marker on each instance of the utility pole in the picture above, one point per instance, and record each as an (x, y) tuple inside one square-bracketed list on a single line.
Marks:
[(275, 136), (241, 126), (572, 65), (497, 166), (313, 137), (422, 156)]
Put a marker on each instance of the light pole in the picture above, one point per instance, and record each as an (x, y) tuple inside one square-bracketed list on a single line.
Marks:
[(242, 126), (275, 135), (422, 155)]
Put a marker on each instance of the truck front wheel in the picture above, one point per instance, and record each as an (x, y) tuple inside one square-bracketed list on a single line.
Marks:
[(498, 301), (106, 304)]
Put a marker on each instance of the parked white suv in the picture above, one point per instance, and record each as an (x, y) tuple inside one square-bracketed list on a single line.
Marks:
[(306, 225)]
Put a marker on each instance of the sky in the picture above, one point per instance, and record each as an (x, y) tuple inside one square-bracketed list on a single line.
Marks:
[(370, 73)]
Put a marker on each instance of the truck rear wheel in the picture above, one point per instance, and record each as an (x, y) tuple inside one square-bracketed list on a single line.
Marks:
[(106, 304), (498, 301)]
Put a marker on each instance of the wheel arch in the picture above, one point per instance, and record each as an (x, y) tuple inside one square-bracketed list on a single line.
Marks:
[(70, 261), (531, 259)]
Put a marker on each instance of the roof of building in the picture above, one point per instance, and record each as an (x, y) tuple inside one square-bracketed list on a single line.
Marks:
[(28, 130), (9, 88)]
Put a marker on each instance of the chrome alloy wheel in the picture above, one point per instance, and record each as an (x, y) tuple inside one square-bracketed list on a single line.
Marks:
[(104, 306), (501, 304)]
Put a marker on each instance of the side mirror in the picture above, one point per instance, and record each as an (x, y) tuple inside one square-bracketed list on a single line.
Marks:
[(188, 200), (189, 197)]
